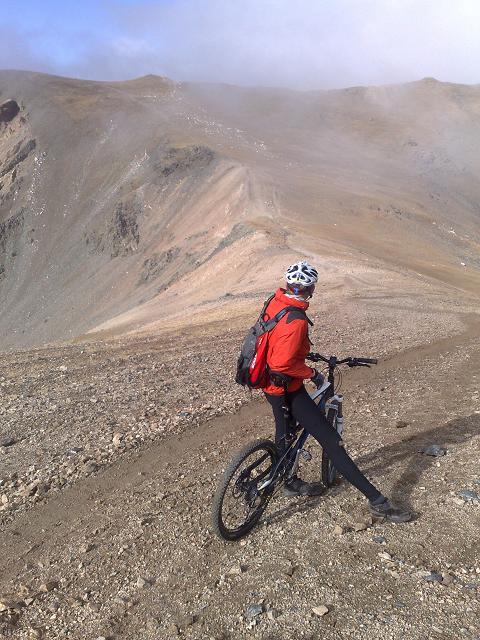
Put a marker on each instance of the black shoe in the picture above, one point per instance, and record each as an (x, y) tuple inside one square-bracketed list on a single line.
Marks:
[(386, 511), (296, 487)]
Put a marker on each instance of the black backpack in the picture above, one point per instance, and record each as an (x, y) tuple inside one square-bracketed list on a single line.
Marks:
[(252, 368)]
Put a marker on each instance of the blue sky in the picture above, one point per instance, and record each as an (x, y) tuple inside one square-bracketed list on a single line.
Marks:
[(60, 33), (304, 44)]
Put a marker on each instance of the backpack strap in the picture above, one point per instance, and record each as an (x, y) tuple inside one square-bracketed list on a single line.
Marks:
[(265, 305), (276, 318), (296, 314)]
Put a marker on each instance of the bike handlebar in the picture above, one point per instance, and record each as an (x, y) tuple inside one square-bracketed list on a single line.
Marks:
[(367, 360), (350, 361)]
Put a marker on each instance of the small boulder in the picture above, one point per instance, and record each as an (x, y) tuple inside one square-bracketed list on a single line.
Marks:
[(361, 526), (320, 611), (254, 610), (289, 569), (117, 439), (186, 621), (144, 583), (272, 614), (46, 587), (9, 604), (173, 629), (237, 570), (434, 450), (469, 496), (433, 576)]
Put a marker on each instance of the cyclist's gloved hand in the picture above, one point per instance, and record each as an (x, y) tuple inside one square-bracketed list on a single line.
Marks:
[(318, 379)]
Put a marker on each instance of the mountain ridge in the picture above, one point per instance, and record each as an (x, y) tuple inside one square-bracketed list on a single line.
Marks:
[(121, 200)]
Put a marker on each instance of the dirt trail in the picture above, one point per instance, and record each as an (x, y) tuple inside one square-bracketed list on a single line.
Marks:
[(133, 554)]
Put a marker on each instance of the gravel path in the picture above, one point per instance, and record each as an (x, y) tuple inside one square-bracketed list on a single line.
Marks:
[(106, 527)]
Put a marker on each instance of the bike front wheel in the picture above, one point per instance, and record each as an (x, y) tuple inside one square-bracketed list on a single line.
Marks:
[(329, 473), (239, 503)]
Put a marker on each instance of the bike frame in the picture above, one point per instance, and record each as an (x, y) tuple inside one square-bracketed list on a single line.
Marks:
[(328, 399)]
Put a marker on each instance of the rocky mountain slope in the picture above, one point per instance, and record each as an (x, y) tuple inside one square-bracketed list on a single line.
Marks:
[(127, 204)]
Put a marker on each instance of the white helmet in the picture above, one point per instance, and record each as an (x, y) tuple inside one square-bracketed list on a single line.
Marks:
[(301, 273)]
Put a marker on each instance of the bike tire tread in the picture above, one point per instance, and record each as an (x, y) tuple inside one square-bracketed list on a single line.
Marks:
[(228, 474)]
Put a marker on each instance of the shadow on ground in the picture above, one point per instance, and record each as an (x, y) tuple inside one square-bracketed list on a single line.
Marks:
[(404, 454), (407, 453)]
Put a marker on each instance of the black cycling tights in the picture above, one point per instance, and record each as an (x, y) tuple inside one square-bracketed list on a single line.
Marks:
[(312, 419)]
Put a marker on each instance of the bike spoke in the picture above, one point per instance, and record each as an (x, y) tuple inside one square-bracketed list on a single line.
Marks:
[(242, 501), (251, 467)]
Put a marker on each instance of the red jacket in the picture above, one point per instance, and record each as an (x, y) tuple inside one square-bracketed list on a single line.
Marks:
[(288, 343)]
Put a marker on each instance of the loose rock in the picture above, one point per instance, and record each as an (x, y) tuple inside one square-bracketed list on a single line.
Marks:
[(360, 526), (379, 539), (434, 450), (320, 611), (144, 583), (7, 603), (117, 439), (237, 570), (433, 576), (254, 610), (185, 621), (469, 496), (49, 586), (173, 629)]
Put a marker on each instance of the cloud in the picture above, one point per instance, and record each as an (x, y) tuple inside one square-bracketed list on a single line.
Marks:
[(305, 44), (17, 52)]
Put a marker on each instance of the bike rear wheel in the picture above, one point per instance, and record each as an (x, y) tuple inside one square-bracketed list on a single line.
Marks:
[(329, 473), (238, 504)]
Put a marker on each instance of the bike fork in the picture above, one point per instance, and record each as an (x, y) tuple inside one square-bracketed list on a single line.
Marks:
[(336, 403)]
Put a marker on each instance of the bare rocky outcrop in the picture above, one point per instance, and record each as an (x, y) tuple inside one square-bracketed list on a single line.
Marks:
[(18, 154), (238, 232), (121, 236), (168, 267), (10, 232), (181, 160), (154, 266), (8, 110)]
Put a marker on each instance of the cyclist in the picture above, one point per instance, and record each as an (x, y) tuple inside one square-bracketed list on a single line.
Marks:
[(287, 348)]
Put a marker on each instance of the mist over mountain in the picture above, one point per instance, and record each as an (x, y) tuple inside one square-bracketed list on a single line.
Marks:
[(124, 204)]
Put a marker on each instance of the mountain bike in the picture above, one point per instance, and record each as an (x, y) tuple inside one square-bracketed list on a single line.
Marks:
[(257, 472)]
